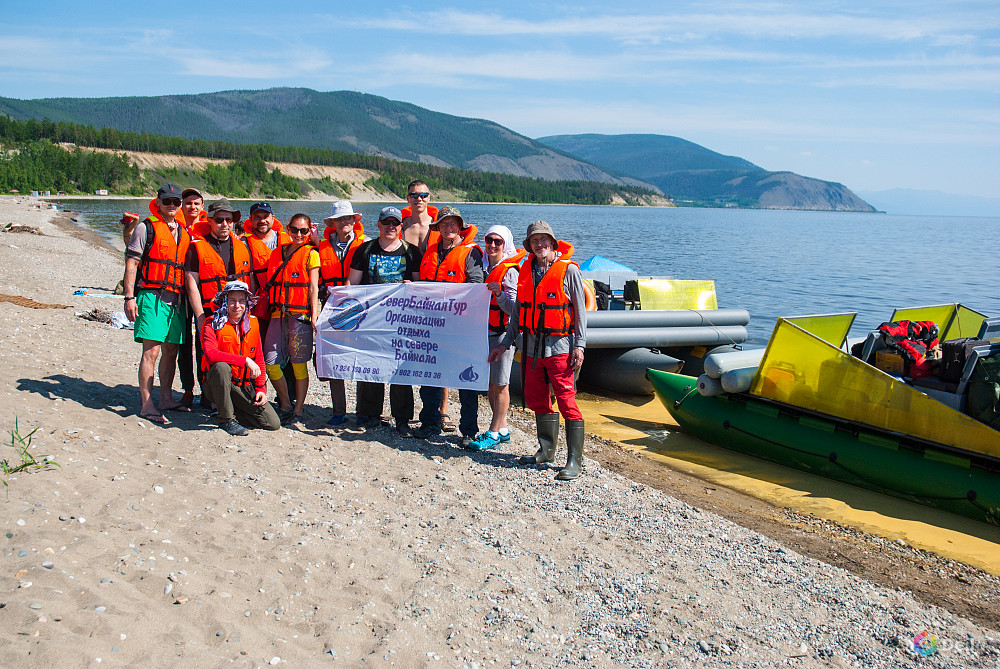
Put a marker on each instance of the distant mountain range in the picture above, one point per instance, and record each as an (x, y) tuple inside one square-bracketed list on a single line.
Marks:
[(362, 123), (931, 203), (688, 172)]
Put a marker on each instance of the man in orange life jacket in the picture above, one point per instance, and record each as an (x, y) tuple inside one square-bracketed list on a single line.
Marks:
[(453, 259), (502, 265), (343, 235), (154, 298), (192, 217), (552, 319), (212, 261), (264, 235), (233, 361)]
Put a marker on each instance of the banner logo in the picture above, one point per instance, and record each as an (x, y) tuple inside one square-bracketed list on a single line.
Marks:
[(348, 315), (469, 374)]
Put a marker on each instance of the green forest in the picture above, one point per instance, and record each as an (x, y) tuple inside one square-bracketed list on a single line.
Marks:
[(32, 161)]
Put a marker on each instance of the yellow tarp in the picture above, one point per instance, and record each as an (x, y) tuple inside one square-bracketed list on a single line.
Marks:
[(831, 328), (657, 294), (953, 320), (801, 369)]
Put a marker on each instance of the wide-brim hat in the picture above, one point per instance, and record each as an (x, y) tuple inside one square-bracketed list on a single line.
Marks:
[(538, 228), (233, 286), (446, 212), (341, 209)]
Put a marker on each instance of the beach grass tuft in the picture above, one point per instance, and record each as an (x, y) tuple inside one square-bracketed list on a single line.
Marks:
[(24, 460)]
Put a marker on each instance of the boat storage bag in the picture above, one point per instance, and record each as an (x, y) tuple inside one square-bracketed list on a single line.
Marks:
[(984, 392)]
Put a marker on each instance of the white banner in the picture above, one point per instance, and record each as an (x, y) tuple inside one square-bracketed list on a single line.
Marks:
[(422, 333)]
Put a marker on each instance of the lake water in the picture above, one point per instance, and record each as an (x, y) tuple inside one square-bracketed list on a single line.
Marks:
[(772, 263)]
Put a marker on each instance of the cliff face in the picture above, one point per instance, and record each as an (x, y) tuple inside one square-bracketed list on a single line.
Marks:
[(692, 174)]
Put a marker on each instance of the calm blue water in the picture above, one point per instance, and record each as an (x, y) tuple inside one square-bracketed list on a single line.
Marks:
[(773, 263)]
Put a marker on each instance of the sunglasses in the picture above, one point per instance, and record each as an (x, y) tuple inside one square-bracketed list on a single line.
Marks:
[(298, 231), (421, 196), (222, 221), (390, 222), (493, 241), (175, 201)]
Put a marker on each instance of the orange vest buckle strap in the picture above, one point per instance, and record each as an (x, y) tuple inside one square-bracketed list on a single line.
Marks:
[(546, 309), (451, 269), (212, 275), (288, 285), (332, 270), (162, 262)]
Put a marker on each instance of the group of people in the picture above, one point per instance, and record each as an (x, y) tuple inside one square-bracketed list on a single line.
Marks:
[(253, 290)]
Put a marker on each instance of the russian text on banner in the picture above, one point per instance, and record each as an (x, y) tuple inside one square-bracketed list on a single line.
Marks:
[(429, 334)]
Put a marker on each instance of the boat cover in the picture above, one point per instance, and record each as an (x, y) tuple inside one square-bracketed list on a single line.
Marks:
[(602, 264), (803, 370), (831, 328), (677, 294)]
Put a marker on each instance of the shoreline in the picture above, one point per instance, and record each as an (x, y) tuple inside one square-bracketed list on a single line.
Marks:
[(175, 544)]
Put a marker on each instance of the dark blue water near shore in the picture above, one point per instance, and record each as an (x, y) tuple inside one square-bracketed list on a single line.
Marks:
[(773, 263)]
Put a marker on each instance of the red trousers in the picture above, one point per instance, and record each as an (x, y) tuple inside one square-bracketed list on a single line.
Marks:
[(560, 376)]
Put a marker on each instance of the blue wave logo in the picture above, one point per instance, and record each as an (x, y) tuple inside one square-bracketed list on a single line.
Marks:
[(348, 315), (469, 375)]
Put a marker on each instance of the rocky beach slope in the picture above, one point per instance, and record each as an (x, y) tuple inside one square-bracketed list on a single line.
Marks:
[(182, 546)]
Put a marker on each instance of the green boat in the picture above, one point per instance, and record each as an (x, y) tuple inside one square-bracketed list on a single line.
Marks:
[(814, 407)]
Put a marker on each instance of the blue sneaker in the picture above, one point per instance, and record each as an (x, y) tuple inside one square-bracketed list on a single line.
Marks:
[(484, 442), (337, 420), (505, 438)]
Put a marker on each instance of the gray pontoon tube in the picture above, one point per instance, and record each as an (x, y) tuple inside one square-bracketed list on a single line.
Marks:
[(664, 336), (671, 318)]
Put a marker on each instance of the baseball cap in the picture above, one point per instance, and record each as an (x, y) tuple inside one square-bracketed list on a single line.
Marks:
[(168, 190), (258, 206), (390, 212), (192, 191)]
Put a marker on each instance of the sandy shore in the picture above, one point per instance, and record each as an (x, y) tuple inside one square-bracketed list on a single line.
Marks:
[(183, 546)]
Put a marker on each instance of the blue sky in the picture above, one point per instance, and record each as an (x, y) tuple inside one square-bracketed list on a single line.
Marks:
[(875, 95)]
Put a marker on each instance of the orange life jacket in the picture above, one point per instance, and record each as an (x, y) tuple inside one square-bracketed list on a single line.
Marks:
[(452, 268), (230, 341), (261, 256), (332, 270), (407, 211), (162, 263), (288, 282), (212, 276), (545, 309), (198, 228), (498, 318)]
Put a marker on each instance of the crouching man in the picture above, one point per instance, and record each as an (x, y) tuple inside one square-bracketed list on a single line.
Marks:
[(552, 319), (232, 360)]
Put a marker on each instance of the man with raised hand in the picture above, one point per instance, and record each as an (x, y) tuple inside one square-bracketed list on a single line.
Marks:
[(552, 319), (452, 257), (154, 298), (387, 259)]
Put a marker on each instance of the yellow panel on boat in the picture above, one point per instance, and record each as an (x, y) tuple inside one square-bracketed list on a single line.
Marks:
[(801, 369), (953, 320), (677, 294), (831, 328)]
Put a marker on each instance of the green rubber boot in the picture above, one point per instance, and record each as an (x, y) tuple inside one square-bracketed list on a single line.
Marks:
[(574, 444), (547, 429)]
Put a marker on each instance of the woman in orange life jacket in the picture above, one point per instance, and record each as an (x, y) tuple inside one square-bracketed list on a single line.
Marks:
[(552, 319), (452, 257), (343, 235), (502, 265), (232, 362), (293, 295)]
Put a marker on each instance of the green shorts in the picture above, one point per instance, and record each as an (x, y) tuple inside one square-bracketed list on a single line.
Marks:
[(159, 321)]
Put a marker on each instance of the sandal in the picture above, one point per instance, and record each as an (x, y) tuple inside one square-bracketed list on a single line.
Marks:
[(447, 425), (157, 418)]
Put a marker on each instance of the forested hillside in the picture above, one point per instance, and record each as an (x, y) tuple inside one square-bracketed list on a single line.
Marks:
[(32, 161)]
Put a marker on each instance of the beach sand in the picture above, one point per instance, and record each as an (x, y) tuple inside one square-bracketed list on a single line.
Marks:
[(316, 546)]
